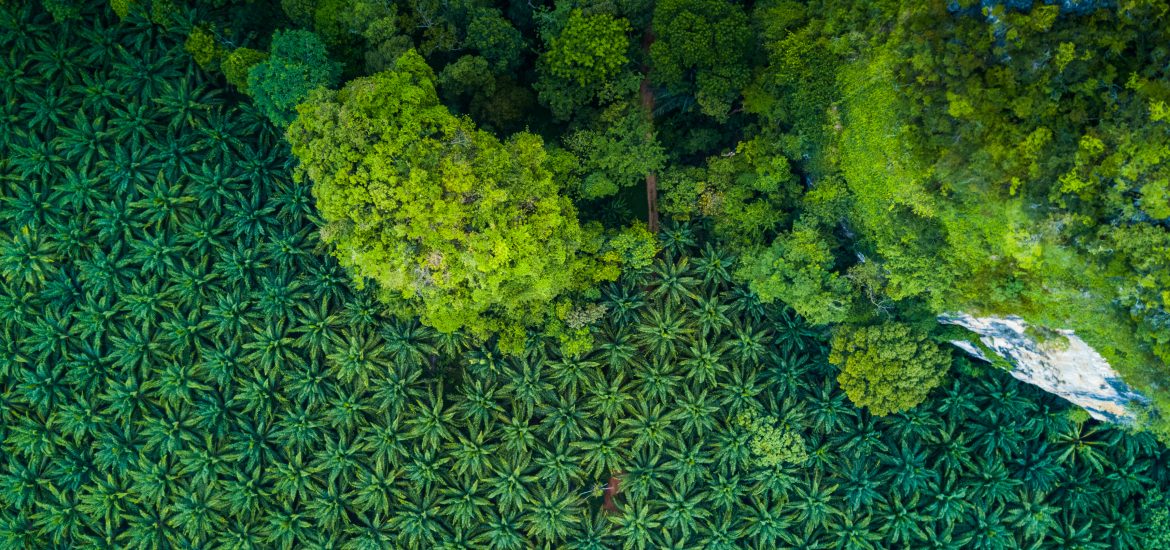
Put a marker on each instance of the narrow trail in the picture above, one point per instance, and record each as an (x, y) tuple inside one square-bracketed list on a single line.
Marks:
[(647, 93)]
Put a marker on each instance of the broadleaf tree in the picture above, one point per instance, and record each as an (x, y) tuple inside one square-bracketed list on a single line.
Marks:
[(454, 225)]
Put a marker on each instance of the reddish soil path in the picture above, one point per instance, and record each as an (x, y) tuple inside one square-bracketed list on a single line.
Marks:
[(611, 490)]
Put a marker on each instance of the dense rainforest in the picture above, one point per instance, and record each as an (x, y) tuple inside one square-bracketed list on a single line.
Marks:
[(373, 274)]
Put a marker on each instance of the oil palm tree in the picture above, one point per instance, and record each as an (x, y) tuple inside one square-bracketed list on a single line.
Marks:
[(713, 265), (765, 520), (828, 411), (198, 512), (748, 344), (663, 331), (696, 411), (677, 238), (1032, 515), (610, 398), (510, 484), (623, 303), (617, 345), (375, 489), (855, 532), (738, 391), (429, 420), (356, 358), (299, 430), (504, 531), (518, 434), (722, 532), (636, 525), (552, 515), (672, 282), (408, 341), (527, 385), (1084, 444), (604, 449), (559, 466), (703, 363), (463, 502), (25, 257)]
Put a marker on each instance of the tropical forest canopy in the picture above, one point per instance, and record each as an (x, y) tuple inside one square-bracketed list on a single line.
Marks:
[(576, 274)]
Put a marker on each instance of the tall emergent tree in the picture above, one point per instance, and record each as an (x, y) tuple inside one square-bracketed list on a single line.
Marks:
[(454, 225)]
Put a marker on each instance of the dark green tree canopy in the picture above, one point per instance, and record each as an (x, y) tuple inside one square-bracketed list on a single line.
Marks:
[(701, 48), (297, 64)]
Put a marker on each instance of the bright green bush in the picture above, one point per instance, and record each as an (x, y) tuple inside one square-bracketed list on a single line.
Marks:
[(238, 63), (589, 50), (887, 368), (204, 48), (123, 7), (798, 269), (772, 446), (1156, 509)]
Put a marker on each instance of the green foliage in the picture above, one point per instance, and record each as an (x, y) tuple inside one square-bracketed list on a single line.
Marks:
[(496, 39), (470, 75), (122, 7), (181, 368), (586, 61), (983, 176), (888, 368), (238, 63), (634, 247), (299, 11), (453, 225), (1157, 514), (589, 50), (746, 192), (297, 64), (618, 154), (702, 49), (62, 10), (772, 445), (204, 47), (798, 269)]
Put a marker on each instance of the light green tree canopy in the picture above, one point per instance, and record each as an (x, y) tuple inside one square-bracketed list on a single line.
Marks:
[(618, 152), (889, 367), (454, 225), (590, 49), (586, 59), (798, 269)]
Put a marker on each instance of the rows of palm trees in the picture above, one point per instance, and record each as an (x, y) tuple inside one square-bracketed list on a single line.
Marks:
[(183, 368)]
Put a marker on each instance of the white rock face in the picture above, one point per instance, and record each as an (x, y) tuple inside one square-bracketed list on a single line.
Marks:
[(1066, 366)]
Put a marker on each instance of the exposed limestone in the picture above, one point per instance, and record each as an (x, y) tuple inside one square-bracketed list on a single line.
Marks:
[(1061, 364)]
